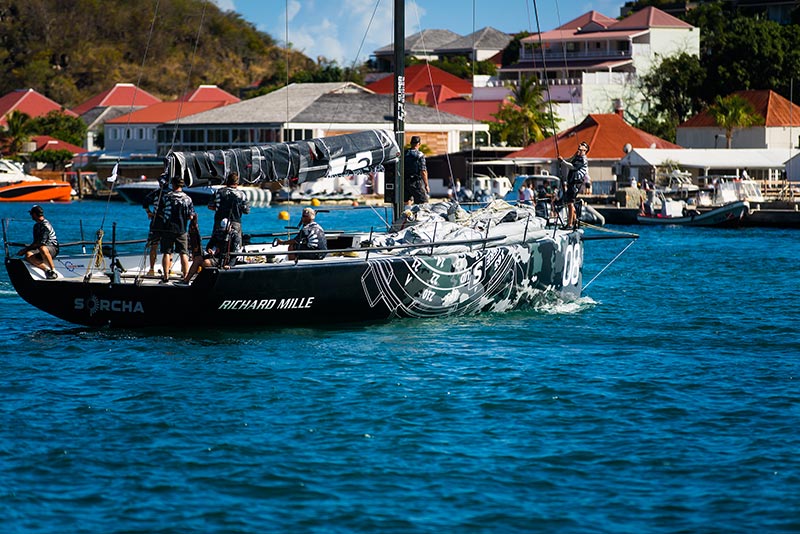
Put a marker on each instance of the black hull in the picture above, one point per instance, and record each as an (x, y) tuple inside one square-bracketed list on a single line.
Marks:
[(331, 291)]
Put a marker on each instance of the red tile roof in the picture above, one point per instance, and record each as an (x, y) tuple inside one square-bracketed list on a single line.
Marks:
[(430, 94), (420, 76), (592, 17), (28, 101), (45, 142), (122, 94), (210, 93), (164, 112), (594, 25), (649, 17), (483, 109), (776, 110), (607, 135)]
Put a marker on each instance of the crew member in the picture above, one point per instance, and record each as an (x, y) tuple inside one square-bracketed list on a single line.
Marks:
[(415, 173), (578, 166), (310, 237), (44, 248), (230, 203), (178, 211)]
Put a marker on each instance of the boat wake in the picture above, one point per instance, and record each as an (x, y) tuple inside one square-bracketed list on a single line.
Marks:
[(557, 306)]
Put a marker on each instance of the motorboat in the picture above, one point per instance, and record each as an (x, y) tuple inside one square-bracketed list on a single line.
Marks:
[(135, 192), (659, 210), (18, 186), (676, 183)]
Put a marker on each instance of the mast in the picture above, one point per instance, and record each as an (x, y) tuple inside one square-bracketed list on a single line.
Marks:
[(399, 103)]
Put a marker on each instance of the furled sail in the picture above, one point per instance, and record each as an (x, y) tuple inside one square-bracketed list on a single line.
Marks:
[(297, 161)]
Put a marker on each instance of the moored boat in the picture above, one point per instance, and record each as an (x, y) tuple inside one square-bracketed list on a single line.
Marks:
[(17, 186), (727, 215), (136, 192)]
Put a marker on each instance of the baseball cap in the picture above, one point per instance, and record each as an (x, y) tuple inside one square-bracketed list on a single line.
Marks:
[(415, 139), (37, 210), (308, 211)]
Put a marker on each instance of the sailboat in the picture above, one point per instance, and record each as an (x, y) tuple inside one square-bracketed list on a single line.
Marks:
[(431, 261)]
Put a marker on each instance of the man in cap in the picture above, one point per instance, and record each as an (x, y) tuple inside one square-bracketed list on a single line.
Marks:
[(578, 166), (178, 212), (310, 237), (44, 248), (415, 174)]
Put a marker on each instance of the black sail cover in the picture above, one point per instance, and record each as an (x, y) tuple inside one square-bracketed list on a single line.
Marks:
[(295, 162)]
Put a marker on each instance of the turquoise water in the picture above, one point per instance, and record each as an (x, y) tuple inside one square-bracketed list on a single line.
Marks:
[(665, 400)]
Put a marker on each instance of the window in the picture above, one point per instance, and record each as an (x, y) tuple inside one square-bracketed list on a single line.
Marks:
[(218, 136)]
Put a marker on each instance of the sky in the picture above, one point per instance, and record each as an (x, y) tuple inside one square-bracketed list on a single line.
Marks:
[(334, 29)]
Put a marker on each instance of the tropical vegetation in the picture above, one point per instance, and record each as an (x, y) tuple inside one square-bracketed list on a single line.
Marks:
[(732, 112), (40, 49), (526, 117), (739, 50)]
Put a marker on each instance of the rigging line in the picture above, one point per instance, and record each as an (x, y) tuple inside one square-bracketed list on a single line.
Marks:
[(566, 70), (188, 77), (472, 89), (433, 91), (546, 81), (528, 9), (353, 65), (286, 47), (177, 122), (131, 110), (609, 264)]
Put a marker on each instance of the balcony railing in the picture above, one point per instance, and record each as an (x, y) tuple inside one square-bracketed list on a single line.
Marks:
[(559, 55)]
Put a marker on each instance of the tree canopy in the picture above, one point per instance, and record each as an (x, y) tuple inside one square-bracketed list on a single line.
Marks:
[(732, 112), (738, 50), (525, 118), (70, 51), (61, 126)]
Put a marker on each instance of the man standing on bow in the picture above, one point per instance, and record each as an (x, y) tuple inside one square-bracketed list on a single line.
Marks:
[(415, 172), (578, 166)]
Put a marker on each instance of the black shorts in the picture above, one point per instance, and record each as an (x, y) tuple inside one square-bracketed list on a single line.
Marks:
[(52, 249), (572, 193), (153, 238), (416, 190), (172, 242)]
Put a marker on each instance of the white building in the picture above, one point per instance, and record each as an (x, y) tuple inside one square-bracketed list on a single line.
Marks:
[(592, 63), (767, 165), (779, 128)]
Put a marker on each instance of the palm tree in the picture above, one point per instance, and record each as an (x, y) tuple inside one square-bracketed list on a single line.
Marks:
[(732, 112), (17, 133), (524, 118)]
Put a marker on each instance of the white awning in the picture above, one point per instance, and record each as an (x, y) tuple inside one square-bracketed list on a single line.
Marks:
[(710, 158)]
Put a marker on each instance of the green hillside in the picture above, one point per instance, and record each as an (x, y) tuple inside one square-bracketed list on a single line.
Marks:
[(71, 50)]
